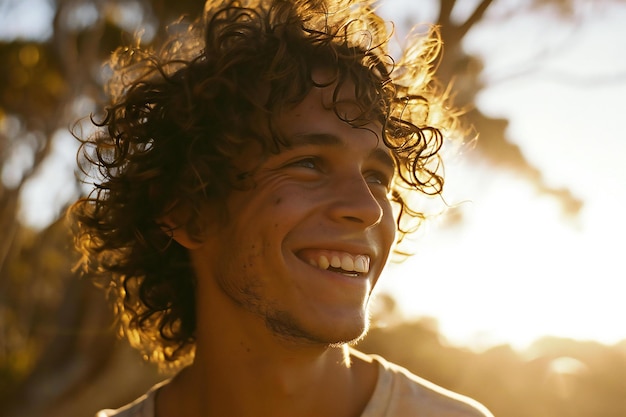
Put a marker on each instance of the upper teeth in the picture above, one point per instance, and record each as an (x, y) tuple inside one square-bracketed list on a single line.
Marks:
[(343, 260)]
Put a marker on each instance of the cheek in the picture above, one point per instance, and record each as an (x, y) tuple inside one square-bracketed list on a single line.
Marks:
[(270, 220), (389, 223), (293, 203)]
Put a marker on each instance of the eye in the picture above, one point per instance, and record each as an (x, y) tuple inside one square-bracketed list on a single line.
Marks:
[(308, 162), (378, 178), (306, 168)]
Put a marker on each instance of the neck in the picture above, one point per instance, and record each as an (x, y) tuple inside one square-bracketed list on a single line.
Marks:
[(249, 371), (280, 383)]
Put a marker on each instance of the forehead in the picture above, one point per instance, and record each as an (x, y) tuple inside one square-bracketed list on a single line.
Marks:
[(330, 117), (328, 100)]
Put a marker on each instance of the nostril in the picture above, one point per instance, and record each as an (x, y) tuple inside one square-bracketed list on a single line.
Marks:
[(354, 203)]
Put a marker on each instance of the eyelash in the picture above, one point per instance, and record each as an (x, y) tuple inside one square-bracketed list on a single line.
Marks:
[(315, 164), (381, 178), (304, 161)]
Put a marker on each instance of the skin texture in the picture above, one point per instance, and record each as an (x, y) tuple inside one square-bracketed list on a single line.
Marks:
[(177, 136), (270, 323), (237, 139)]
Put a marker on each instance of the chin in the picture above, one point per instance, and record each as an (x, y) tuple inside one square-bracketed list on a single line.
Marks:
[(350, 341), (333, 333), (350, 334)]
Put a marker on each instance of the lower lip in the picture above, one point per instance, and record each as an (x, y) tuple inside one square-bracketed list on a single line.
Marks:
[(332, 287)]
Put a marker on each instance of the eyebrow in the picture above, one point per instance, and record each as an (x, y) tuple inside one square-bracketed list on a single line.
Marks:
[(327, 139)]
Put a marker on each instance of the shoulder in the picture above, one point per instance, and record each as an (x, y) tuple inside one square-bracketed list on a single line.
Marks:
[(141, 407), (401, 393)]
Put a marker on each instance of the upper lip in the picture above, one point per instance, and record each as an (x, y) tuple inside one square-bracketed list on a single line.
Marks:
[(348, 247)]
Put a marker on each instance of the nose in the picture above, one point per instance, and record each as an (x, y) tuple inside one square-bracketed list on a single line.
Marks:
[(354, 202)]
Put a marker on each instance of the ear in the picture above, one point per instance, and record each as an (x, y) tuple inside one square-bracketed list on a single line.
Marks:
[(178, 233), (171, 223)]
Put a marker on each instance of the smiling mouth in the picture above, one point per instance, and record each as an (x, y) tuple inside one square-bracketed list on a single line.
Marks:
[(341, 262)]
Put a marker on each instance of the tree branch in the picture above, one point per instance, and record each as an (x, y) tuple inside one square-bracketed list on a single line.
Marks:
[(445, 11), (476, 16)]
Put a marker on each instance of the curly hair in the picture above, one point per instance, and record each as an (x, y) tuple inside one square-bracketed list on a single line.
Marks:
[(179, 116)]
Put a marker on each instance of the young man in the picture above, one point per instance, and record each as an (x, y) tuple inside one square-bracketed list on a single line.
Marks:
[(252, 181)]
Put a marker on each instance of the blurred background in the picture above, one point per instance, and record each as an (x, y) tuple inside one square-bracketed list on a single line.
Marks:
[(515, 296)]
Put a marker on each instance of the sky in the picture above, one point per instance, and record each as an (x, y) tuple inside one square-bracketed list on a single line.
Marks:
[(516, 269)]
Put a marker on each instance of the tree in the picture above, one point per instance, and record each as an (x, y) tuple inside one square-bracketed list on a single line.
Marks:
[(46, 84), (463, 71)]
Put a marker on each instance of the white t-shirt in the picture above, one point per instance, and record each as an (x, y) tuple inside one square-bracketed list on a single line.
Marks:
[(398, 393)]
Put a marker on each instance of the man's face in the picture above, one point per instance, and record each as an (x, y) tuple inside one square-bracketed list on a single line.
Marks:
[(304, 248)]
